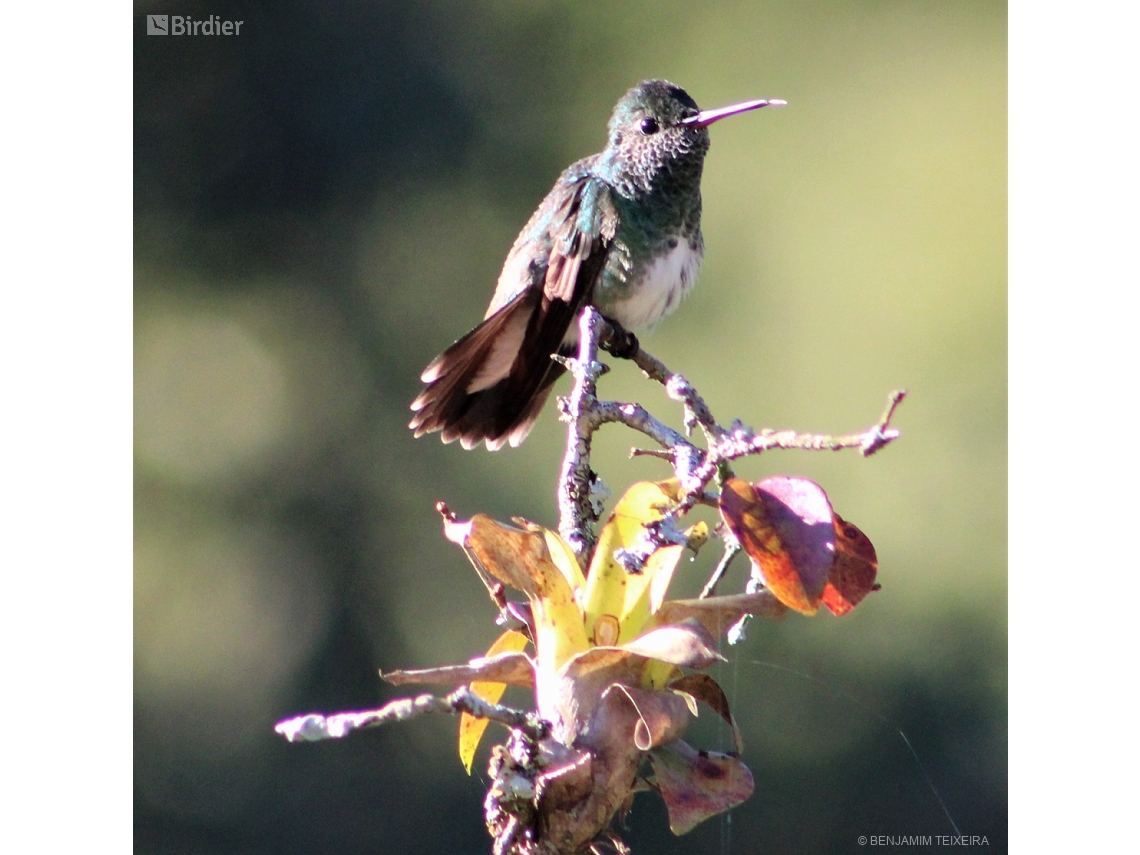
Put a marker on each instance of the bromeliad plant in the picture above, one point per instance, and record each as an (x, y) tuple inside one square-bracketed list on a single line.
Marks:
[(609, 673), (615, 666)]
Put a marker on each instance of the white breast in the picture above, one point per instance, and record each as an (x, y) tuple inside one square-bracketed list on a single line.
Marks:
[(661, 288)]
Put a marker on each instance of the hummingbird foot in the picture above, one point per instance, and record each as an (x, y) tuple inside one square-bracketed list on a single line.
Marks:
[(619, 341)]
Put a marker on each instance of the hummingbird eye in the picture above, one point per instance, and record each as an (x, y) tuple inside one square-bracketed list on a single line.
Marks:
[(649, 126)]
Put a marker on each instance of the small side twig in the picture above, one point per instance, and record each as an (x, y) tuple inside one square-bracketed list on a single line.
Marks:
[(697, 412), (881, 434), (694, 467), (731, 549), (743, 442), (315, 727)]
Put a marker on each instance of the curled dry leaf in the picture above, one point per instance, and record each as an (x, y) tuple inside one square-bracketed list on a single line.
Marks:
[(658, 718), (705, 688), (648, 662)]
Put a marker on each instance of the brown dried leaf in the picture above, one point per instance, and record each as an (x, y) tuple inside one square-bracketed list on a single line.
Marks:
[(520, 558), (595, 778), (717, 614), (705, 688), (688, 645), (517, 557), (512, 668)]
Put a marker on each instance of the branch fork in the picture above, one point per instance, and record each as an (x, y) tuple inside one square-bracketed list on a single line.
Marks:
[(694, 467)]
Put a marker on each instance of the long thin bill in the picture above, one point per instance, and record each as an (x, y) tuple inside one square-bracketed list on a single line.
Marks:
[(707, 117)]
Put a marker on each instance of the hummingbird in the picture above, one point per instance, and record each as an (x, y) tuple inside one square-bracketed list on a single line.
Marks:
[(620, 230)]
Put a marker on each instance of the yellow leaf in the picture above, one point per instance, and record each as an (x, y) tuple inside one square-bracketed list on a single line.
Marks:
[(520, 558), (470, 728), (565, 560), (669, 557), (657, 674), (610, 588)]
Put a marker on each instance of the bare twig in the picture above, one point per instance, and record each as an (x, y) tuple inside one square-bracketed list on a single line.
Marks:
[(752, 586), (694, 467), (731, 548), (315, 727), (650, 452), (678, 388), (653, 537), (881, 434)]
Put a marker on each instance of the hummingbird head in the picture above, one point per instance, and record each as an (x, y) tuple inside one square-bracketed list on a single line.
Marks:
[(658, 133), (648, 137)]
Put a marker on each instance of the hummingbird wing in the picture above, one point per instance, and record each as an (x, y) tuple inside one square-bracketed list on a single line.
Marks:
[(491, 384)]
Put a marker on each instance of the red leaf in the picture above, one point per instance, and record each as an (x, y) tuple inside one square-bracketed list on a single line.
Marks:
[(853, 572), (785, 525)]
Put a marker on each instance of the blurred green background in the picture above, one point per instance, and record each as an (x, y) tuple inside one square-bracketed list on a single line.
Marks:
[(323, 203)]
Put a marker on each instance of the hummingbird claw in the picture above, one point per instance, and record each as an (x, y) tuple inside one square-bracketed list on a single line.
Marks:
[(620, 342)]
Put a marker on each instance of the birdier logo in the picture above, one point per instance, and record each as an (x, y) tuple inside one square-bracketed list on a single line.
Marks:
[(179, 25)]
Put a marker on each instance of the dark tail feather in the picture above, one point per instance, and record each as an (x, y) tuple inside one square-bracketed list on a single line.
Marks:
[(495, 417), (491, 384)]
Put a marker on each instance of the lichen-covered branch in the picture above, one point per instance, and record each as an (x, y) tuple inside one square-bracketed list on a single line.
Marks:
[(577, 518), (693, 466), (678, 388), (315, 727)]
